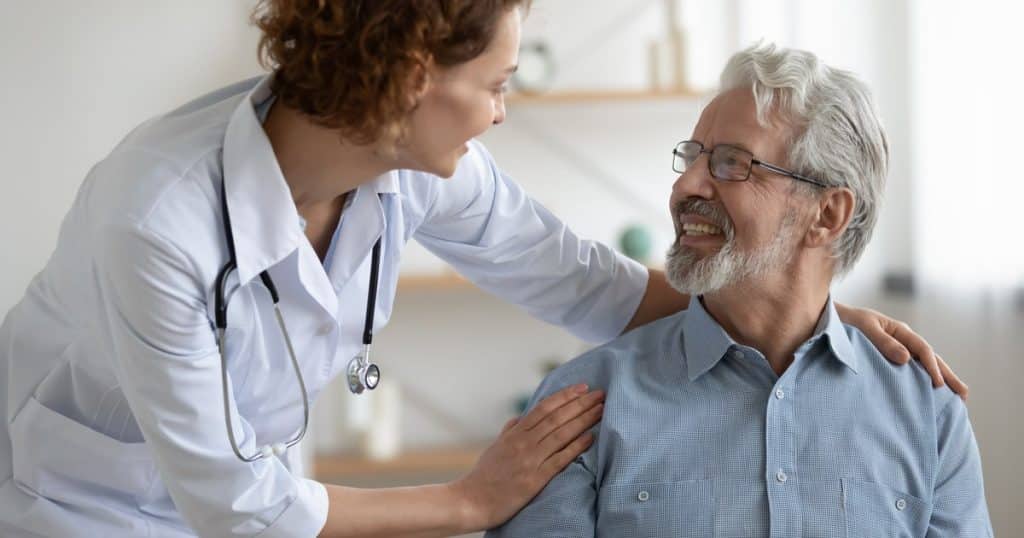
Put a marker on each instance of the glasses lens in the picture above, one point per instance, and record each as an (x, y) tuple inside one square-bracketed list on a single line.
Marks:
[(730, 164), (685, 154)]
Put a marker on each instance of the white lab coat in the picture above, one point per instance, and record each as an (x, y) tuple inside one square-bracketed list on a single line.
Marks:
[(109, 371)]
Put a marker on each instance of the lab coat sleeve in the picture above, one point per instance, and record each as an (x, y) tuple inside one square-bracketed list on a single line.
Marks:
[(958, 502), (482, 223), (169, 369)]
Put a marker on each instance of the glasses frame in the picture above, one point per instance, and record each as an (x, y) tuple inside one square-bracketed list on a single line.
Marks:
[(753, 161)]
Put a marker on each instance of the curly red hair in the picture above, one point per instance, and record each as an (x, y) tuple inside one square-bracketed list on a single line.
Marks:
[(353, 65)]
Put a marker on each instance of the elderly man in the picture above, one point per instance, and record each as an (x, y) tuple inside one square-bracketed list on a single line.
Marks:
[(756, 412)]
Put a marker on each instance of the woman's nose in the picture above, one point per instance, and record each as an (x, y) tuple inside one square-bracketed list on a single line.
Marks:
[(499, 110)]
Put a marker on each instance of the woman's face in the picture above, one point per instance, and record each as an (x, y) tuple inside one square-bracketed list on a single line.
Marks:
[(461, 103)]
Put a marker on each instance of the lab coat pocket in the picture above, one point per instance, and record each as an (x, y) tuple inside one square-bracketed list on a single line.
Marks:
[(684, 508), (875, 510), (63, 460)]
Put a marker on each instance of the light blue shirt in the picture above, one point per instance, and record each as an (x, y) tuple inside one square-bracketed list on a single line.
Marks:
[(110, 378), (701, 438)]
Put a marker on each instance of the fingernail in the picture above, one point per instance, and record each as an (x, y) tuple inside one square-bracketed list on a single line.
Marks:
[(581, 388)]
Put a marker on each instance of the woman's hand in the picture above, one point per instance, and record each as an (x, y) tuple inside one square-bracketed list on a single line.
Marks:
[(528, 453), (899, 343)]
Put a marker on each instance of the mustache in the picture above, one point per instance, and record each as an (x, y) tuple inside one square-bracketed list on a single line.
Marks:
[(705, 209)]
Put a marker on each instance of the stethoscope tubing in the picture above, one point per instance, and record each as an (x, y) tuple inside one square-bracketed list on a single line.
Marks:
[(362, 364)]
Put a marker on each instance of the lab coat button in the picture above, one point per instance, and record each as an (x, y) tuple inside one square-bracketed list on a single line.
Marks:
[(325, 329)]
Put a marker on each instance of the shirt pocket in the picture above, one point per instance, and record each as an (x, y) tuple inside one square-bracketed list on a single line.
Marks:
[(62, 460), (684, 508), (876, 510)]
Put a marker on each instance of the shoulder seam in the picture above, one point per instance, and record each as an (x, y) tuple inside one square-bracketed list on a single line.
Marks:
[(181, 173)]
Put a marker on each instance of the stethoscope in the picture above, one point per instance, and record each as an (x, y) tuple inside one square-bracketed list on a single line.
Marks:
[(362, 374)]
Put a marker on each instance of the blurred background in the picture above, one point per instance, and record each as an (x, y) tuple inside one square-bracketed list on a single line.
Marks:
[(605, 89)]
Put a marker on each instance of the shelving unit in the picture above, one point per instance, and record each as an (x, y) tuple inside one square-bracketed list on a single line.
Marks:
[(347, 467), (449, 281), (592, 96), (441, 281)]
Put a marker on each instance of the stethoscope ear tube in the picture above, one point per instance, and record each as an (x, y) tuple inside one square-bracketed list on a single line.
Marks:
[(220, 303)]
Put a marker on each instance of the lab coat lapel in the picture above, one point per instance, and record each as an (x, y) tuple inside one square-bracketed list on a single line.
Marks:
[(363, 224), (264, 220)]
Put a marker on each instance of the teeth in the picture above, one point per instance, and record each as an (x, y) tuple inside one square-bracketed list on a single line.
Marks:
[(701, 229)]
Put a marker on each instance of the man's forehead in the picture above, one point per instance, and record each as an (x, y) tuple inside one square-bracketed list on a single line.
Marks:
[(731, 118)]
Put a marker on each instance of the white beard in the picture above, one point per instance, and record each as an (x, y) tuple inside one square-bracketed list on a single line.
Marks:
[(689, 274)]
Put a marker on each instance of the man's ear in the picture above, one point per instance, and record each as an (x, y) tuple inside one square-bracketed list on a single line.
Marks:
[(834, 212)]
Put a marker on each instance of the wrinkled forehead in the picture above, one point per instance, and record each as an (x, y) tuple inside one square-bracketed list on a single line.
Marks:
[(731, 118)]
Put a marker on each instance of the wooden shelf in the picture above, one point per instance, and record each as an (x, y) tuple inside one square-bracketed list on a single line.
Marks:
[(449, 281), (455, 459), (571, 97), (441, 281)]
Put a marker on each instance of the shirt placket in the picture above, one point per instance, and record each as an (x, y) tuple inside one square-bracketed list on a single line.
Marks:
[(782, 478)]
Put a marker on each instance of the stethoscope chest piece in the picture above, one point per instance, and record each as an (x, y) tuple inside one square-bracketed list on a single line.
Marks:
[(362, 374)]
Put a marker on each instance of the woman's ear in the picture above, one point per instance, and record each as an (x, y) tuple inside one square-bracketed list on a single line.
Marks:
[(420, 79), (835, 210)]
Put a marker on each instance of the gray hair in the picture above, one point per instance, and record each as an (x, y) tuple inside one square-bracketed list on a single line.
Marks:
[(839, 136)]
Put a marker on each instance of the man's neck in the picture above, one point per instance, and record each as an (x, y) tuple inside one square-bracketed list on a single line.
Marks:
[(774, 315)]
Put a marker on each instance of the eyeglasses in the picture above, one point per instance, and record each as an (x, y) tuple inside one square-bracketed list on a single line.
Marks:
[(727, 163)]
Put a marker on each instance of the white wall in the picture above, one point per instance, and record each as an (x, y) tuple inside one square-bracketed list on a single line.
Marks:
[(77, 75)]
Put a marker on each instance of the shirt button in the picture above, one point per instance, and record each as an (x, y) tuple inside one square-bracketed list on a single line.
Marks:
[(780, 394), (737, 354), (643, 496), (781, 477), (901, 505)]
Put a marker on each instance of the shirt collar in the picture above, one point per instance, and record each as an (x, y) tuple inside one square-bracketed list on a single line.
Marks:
[(705, 342), (832, 328)]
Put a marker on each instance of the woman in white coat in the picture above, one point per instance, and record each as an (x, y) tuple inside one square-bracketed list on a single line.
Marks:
[(119, 418)]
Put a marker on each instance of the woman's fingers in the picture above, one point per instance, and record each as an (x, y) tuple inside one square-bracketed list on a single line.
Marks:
[(920, 349), (559, 460), (508, 425), (879, 329), (566, 413), (550, 404), (890, 347), (568, 432), (885, 334), (954, 381)]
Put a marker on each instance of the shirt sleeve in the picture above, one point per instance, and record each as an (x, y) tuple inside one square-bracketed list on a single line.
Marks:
[(482, 223), (567, 506), (958, 506), (168, 366)]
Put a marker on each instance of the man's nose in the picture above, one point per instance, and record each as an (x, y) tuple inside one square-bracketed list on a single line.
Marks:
[(695, 182)]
